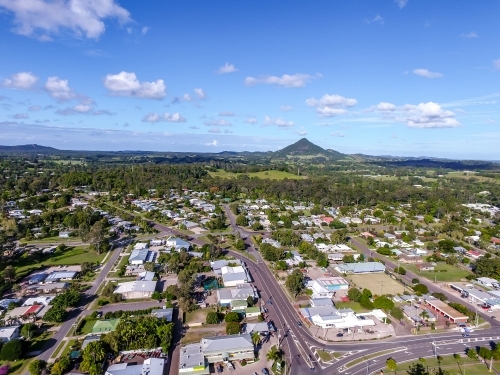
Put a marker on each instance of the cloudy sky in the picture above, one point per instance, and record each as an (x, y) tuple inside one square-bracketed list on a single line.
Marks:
[(402, 77)]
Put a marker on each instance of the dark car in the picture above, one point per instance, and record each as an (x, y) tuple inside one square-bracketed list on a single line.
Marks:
[(493, 317), (299, 324), (265, 371), (219, 368), (465, 335), (340, 334)]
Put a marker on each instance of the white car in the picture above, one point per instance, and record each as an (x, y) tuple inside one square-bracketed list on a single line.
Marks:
[(230, 366)]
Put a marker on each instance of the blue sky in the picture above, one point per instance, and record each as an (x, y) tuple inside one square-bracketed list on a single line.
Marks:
[(391, 77)]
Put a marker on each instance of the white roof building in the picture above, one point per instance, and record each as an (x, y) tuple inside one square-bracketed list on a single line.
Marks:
[(330, 317), (192, 360), (151, 366), (9, 333), (136, 289)]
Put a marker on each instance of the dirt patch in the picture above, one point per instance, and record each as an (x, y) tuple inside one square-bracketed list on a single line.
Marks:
[(377, 283)]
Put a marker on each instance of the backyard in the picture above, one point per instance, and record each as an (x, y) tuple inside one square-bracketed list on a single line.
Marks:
[(70, 256)]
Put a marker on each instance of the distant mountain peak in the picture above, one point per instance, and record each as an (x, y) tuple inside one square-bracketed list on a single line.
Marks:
[(304, 147)]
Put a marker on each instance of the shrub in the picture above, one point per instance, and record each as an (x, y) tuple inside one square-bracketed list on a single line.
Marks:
[(232, 317), (233, 328), (12, 350)]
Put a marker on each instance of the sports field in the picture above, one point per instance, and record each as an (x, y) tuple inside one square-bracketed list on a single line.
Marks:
[(377, 283)]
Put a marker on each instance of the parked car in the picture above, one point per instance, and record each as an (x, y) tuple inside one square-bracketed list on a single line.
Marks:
[(265, 371), (340, 334), (230, 366)]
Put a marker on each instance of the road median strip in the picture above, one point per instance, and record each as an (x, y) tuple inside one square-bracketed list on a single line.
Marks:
[(371, 356)]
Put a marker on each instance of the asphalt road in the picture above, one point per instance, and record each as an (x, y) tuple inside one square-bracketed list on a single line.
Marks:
[(89, 295)]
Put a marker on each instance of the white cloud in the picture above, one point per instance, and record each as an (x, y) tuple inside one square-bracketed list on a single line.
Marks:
[(286, 80), (337, 134), (251, 120), (187, 97), (214, 143), (145, 30), (217, 122), (302, 131), (200, 94), (383, 107), (193, 127), (85, 18), (427, 115), (401, 3), (426, 73), (151, 117), (174, 117), (155, 117), (227, 68), (470, 35), (82, 108), (21, 81), (279, 122), (496, 64), (59, 88), (214, 130), (378, 18), (227, 114), (331, 105), (20, 116), (127, 84), (286, 108), (35, 108)]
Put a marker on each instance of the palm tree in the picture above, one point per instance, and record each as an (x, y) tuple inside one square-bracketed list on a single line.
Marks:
[(256, 338), (424, 315), (273, 355)]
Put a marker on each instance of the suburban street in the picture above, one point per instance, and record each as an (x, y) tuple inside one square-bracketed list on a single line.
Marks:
[(88, 297)]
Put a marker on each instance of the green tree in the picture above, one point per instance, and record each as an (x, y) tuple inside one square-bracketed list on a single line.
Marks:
[(391, 364), (37, 366), (241, 220), (354, 294), (485, 353), (28, 330), (420, 288), (232, 317), (400, 270), (239, 245), (212, 318), (92, 358), (273, 354), (256, 338), (417, 369), (55, 314), (9, 274), (384, 303), (348, 259), (471, 353), (295, 282), (233, 328), (397, 313), (12, 350), (250, 301)]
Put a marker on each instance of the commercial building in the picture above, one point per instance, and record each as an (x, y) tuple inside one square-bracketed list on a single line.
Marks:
[(38, 278), (228, 348), (138, 256), (57, 276), (232, 276), (368, 267), (446, 311), (192, 361), (136, 289), (487, 281), (330, 317)]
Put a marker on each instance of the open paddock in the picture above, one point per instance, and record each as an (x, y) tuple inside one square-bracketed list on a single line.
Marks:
[(377, 283)]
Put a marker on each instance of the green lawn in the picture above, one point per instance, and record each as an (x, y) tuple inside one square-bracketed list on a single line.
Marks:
[(17, 367), (272, 175), (448, 363), (324, 355), (452, 273), (355, 306), (68, 349), (71, 256), (87, 327)]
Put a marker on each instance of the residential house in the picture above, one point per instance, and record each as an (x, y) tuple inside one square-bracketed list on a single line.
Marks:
[(9, 333), (136, 289), (240, 293), (138, 256), (425, 266), (165, 313), (57, 276), (326, 287)]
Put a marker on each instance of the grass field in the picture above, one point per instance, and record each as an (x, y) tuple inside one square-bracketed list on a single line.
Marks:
[(378, 283), (71, 256), (467, 366), (272, 175), (470, 175), (452, 273), (355, 306)]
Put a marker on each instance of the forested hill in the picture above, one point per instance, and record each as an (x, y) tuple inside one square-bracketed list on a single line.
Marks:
[(304, 147)]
